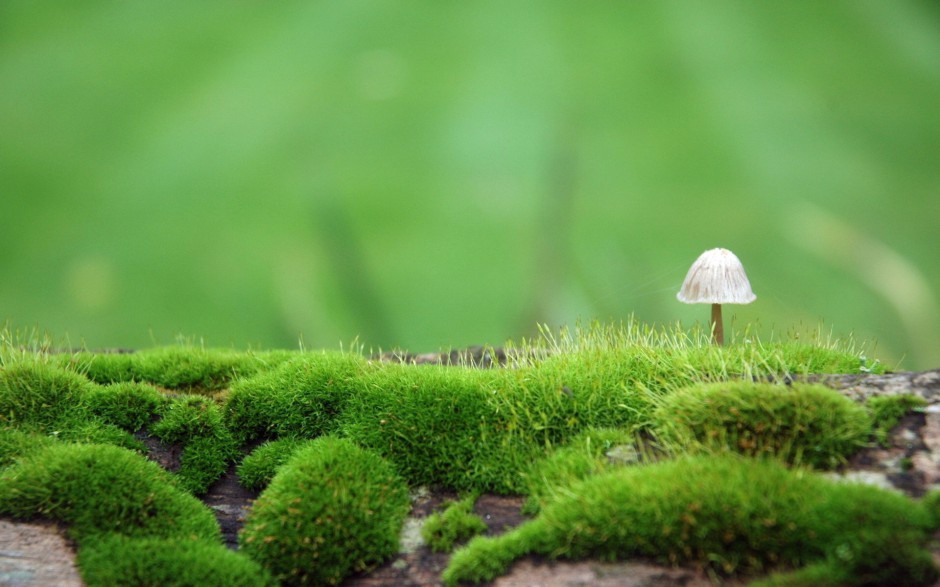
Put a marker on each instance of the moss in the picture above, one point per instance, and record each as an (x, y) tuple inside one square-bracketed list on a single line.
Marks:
[(439, 428), (127, 405), (184, 367), (257, 469), (39, 394), (196, 423), (302, 397), (807, 424), (16, 443), (456, 524), (332, 510), (887, 410), (733, 515), (583, 456), (119, 561), (99, 489)]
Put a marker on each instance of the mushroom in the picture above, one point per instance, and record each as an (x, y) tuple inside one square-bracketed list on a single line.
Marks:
[(717, 277)]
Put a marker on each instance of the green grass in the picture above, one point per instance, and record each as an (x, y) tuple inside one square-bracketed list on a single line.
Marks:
[(332, 510)]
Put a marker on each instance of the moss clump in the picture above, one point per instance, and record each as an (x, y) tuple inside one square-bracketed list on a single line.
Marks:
[(257, 469), (887, 410), (15, 444), (98, 489), (734, 515), (196, 422), (41, 395), (439, 427), (332, 510), (583, 456), (185, 367), (119, 561), (130, 406), (301, 398), (456, 524), (807, 424)]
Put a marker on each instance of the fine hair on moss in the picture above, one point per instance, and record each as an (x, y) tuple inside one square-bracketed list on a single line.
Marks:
[(113, 560), (258, 468), (799, 423), (332, 510), (736, 516), (96, 488)]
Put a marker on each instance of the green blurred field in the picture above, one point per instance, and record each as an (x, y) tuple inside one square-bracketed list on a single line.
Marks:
[(433, 174)]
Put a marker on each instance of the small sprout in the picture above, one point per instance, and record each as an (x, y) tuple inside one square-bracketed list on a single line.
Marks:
[(717, 277)]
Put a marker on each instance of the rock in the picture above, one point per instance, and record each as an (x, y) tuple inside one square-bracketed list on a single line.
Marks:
[(36, 555)]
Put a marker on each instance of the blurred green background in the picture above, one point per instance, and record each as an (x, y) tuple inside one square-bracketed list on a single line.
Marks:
[(429, 174)]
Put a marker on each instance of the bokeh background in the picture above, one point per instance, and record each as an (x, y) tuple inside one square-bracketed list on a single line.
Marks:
[(428, 174)]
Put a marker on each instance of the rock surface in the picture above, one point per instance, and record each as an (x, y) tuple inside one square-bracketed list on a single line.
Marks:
[(39, 554)]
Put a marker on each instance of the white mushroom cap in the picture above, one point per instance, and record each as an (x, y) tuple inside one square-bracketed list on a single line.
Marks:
[(716, 277)]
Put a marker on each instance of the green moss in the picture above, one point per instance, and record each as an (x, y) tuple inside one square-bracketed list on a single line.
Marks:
[(583, 456), (257, 469), (39, 394), (98, 489), (127, 405), (733, 515), (196, 422), (119, 561), (439, 427), (183, 367), (456, 524), (301, 398), (332, 510), (16, 443), (807, 424), (887, 410)]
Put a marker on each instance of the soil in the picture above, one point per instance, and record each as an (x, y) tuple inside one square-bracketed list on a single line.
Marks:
[(39, 554)]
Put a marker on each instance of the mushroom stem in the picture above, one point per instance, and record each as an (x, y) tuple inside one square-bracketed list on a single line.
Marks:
[(718, 328)]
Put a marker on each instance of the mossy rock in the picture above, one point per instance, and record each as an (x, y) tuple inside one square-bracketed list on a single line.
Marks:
[(799, 423), (332, 510), (735, 515), (97, 489), (114, 560)]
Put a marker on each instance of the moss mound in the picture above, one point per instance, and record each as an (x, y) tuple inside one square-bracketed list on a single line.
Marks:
[(257, 469), (301, 398), (196, 423), (38, 394), (127, 405), (734, 515), (98, 489), (807, 424), (333, 509), (119, 561)]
